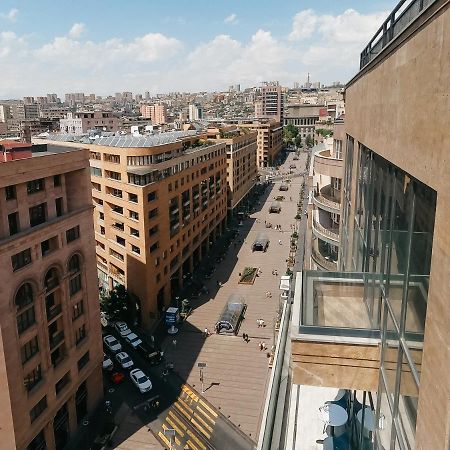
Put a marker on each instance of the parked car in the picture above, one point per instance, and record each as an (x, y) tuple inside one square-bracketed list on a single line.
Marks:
[(124, 360), (133, 339), (141, 380), (122, 328), (150, 354), (117, 377), (107, 363), (112, 343)]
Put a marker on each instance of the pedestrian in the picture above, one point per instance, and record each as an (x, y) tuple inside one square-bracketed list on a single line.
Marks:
[(174, 342), (264, 346), (244, 337), (279, 241), (260, 345), (206, 332), (262, 323), (258, 323)]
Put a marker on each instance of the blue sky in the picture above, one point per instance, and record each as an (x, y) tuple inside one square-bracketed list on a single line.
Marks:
[(179, 45)]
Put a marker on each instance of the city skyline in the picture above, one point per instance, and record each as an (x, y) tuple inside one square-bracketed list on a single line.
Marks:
[(87, 51)]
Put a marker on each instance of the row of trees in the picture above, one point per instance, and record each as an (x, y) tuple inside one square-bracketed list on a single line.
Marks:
[(291, 136), (118, 304)]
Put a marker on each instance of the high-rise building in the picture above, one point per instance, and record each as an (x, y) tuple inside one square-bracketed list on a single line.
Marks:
[(370, 342), (28, 100), (156, 113), (5, 113), (52, 98), (51, 338), (195, 112), (147, 95), (271, 102)]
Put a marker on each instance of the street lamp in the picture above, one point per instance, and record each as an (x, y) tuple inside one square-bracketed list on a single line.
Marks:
[(201, 366)]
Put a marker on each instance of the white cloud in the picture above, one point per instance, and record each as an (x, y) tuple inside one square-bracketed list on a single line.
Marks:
[(11, 15), (304, 25), (77, 30), (231, 19)]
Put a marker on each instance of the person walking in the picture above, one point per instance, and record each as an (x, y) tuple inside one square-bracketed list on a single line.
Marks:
[(174, 342), (279, 241)]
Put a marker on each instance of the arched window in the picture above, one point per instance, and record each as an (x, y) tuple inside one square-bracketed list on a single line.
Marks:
[(74, 264), (51, 279), (24, 296)]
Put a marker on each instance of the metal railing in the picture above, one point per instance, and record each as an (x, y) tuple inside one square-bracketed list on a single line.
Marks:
[(325, 231), (320, 259), (326, 202), (397, 21)]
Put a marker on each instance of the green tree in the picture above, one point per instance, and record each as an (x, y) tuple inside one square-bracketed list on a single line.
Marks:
[(309, 141), (298, 140), (289, 132), (118, 304)]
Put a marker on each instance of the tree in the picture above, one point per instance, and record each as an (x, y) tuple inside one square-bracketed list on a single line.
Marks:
[(290, 132), (118, 304), (309, 141), (298, 140)]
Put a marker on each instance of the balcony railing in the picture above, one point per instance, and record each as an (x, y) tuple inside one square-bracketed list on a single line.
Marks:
[(327, 233), (56, 339), (326, 201), (322, 261)]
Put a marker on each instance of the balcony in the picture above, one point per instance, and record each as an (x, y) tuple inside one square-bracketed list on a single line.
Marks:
[(53, 312), (56, 339), (326, 164), (323, 261), (326, 201), (328, 234)]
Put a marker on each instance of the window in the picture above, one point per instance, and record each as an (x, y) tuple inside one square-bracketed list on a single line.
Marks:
[(153, 213), (75, 284), (153, 230), (115, 192), (117, 209), (117, 255), (10, 192), (29, 349), (111, 158), (57, 180), (101, 216), (51, 280), (32, 379), (38, 214), (96, 172), (120, 241), (135, 249), (72, 234), (38, 443), (134, 232), (35, 186), (25, 320), (24, 296), (77, 310), (62, 383), (132, 197), (134, 215), (59, 206), (83, 361), (152, 196), (38, 409), (102, 230), (13, 222), (80, 334), (113, 175), (49, 245), (21, 259), (154, 247)]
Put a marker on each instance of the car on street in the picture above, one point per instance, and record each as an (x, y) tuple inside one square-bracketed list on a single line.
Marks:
[(133, 339), (124, 360), (152, 355), (112, 343), (107, 363), (122, 328), (117, 377), (141, 380)]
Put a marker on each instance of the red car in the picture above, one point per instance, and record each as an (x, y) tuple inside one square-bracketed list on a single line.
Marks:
[(117, 377)]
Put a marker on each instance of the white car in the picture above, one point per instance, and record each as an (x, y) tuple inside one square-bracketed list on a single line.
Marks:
[(133, 339), (112, 343), (141, 380), (122, 328), (124, 360), (107, 363)]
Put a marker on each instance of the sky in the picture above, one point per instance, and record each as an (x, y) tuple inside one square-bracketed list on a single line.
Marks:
[(103, 47)]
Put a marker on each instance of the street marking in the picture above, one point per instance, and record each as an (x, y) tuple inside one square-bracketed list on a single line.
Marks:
[(190, 393), (178, 420), (197, 440), (174, 426), (200, 428), (208, 408), (185, 405), (182, 411), (205, 414), (203, 422), (191, 445), (186, 398)]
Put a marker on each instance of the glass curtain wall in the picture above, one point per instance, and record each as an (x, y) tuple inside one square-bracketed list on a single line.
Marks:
[(392, 241)]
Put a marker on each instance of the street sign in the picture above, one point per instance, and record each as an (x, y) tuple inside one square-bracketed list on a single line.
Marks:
[(201, 365)]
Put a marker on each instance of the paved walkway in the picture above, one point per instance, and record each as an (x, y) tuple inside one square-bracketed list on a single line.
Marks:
[(237, 372)]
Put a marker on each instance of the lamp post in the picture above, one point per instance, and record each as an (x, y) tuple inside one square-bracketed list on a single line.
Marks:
[(201, 366)]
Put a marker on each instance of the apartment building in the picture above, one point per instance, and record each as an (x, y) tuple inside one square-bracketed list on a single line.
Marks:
[(270, 104), (81, 122), (51, 349), (379, 327), (156, 113), (242, 167), (195, 112), (324, 209), (160, 201), (269, 140)]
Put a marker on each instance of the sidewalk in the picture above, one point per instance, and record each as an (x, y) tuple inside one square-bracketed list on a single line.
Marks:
[(237, 372)]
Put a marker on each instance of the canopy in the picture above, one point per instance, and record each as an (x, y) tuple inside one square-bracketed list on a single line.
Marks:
[(231, 315)]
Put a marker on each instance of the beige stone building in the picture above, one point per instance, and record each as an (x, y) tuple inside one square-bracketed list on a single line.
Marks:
[(380, 325), (156, 113), (51, 349), (159, 203), (242, 168), (269, 140), (82, 121)]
